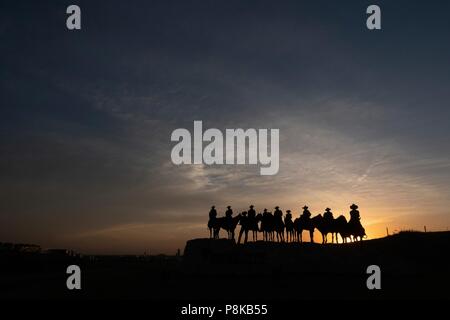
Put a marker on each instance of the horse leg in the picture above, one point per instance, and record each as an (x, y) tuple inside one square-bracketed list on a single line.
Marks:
[(311, 235), (216, 233)]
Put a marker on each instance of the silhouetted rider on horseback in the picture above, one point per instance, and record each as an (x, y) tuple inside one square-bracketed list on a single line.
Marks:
[(251, 212), (288, 216), (328, 215), (289, 225), (354, 213), (229, 212), (306, 214), (212, 220), (355, 228), (277, 213), (212, 213)]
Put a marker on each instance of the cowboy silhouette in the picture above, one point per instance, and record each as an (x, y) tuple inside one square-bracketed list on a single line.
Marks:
[(212, 220), (277, 213), (354, 213), (306, 213), (288, 215), (289, 224), (213, 213), (229, 212), (251, 212), (355, 228), (328, 215)]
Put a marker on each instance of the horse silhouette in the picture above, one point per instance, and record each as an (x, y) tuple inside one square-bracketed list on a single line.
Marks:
[(318, 222), (304, 223), (325, 224), (352, 229), (248, 223), (253, 225), (227, 223)]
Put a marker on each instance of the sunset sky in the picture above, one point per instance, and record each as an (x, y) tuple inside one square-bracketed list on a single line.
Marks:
[(86, 116)]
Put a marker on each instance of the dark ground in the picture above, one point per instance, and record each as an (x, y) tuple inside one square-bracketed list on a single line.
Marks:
[(413, 265)]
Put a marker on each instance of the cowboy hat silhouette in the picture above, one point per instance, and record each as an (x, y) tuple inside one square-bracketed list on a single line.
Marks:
[(353, 206)]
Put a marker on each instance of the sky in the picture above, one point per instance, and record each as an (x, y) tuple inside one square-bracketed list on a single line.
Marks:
[(87, 115)]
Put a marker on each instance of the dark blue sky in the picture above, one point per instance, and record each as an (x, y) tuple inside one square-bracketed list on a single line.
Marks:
[(87, 115)]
